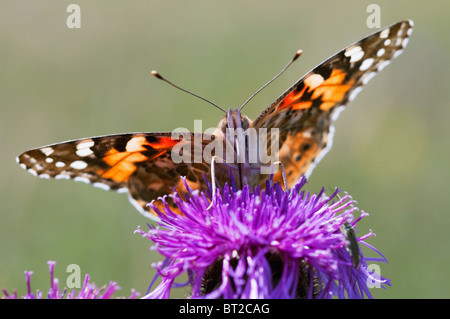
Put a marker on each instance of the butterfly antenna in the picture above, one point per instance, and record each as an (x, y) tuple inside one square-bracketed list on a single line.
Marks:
[(297, 54), (159, 76), (213, 183)]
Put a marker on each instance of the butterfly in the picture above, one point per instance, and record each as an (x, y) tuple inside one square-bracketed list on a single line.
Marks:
[(143, 164)]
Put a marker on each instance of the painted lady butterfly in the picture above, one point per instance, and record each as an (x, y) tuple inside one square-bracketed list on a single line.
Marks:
[(141, 163)]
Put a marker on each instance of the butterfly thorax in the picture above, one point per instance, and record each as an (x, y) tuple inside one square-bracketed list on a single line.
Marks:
[(241, 146)]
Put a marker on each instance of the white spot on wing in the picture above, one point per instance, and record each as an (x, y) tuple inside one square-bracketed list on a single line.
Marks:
[(84, 152), (409, 32), (397, 53), (366, 64), (135, 144), (60, 164), (141, 210), (380, 52), (32, 172), (78, 165), (314, 80), (85, 144), (354, 93), (62, 176), (84, 148), (326, 149), (102, 186), (47, 151), (82, 179), (368, 77), (384, 34), (352, 50), (355, 53), (405, 42), (49, 160), (356, 57), (338, 111), (383, 64)]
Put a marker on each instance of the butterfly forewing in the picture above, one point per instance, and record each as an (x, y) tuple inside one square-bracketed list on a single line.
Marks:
[(305, 112), (138, 163)]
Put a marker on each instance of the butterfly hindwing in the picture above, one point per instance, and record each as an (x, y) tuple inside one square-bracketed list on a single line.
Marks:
[(305, 112)]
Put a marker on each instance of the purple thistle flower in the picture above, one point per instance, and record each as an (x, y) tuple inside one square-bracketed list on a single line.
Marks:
[(88, 291), (262, 243)]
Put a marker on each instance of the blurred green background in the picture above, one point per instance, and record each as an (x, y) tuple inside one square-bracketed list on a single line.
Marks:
[(391, 149)]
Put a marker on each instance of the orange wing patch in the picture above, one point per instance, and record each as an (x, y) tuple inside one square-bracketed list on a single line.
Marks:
[(293, 97), (332, 90), (329, 91), (297, 153), (123, 163)]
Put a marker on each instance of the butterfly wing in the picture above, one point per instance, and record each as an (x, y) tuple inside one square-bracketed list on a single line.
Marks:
[(305, 112), (138, 163)]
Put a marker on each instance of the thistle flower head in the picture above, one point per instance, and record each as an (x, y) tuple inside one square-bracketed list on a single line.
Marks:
[(262, 243), (88, 290)]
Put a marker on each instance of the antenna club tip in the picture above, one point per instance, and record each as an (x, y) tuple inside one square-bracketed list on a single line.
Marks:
[(297, 54), (156, 74)]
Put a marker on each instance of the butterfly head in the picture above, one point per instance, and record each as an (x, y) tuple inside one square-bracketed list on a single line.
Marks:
[(234, 120)]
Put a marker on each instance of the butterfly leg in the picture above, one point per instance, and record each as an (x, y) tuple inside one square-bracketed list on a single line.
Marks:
[(284, 174), (213, 180)]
